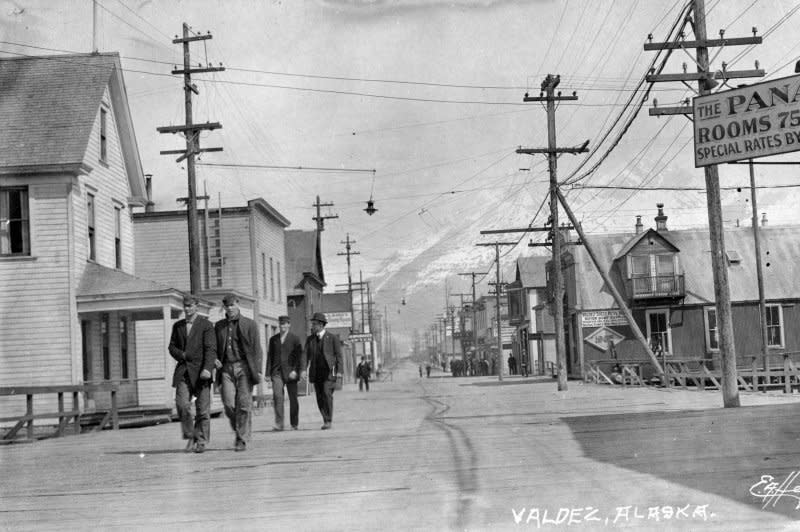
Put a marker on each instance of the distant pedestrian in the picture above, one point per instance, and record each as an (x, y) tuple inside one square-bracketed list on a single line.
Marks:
[(239, 357), (362, 373), (420, 371), (428, 369), (512, 364), (193, 346), (324, 354), (286, 364)]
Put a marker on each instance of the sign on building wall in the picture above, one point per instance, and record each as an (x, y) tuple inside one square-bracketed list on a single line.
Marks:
[(748, 122), (360, 337), (600, 318), (602, 338), (338, 320)]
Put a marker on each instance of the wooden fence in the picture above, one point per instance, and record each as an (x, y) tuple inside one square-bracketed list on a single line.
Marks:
[(778, 371), (65, 417)]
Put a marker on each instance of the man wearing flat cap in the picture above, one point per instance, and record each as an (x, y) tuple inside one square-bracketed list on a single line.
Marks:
[(239, 359), (286, 363), (193, 347), (324, 354)]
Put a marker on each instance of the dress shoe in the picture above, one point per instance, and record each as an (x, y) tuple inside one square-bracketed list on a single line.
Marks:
[(200, 448), (326, 426), (294, 427), (189, 446), (240, 446), (277, 428)]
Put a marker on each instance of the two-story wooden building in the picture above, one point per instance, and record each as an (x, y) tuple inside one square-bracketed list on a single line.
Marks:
[(666, 278), (70, 175), (242, 251), (531, 316)]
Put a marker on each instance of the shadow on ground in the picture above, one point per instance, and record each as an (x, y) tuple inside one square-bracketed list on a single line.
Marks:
[(719, 451)]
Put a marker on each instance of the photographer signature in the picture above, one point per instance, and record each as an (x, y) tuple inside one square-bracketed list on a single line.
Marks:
[(770, 490)]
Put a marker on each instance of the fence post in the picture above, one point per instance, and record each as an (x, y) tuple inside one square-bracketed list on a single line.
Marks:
[(114, 412), (29, 412), (75, 408), (787, 381)]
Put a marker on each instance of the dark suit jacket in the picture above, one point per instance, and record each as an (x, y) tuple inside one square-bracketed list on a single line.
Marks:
[(195, 353), (249, 345), (332, 351), (290, 355)]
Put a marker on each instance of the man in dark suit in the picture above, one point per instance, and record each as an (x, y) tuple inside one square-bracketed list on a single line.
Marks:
[(193, 347), (324, 354), (286, 364), (239, 359)]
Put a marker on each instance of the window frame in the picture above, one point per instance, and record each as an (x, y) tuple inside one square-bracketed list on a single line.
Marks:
[(103, 134), (781, 332), (91, 212), (24, 221), (707, 329), (668, 332), (118, 236)]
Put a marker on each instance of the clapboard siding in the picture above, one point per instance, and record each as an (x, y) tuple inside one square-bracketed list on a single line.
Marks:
[(270, 241), (236, 250), (36, 292), (162, 252), (111, 187)]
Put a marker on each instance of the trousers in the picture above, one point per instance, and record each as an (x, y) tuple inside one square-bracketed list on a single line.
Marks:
[(277, 400), (237, 399), (324, 392), (195, 427)]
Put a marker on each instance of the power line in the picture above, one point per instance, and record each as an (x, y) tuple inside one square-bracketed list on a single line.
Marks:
[(277, 167)]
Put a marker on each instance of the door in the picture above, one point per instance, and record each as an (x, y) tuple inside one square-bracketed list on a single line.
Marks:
[(658, 331)]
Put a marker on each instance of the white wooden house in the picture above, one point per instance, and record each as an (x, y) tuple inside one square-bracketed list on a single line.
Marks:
[(70, 175)]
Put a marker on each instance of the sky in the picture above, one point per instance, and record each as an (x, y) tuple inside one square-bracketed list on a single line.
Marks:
[(429, 94)]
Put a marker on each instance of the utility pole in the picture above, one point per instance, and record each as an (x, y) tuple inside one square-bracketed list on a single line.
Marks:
[(706, 81), (192, 133), (550, 98), (497, 303), (474, 312), (347, 253), (321, 219)]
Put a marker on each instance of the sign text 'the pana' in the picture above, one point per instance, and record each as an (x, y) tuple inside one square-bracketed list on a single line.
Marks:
[(748, 122)]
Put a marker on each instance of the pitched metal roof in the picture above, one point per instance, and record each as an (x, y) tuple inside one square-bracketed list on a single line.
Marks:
[(531, 271), (48, 105), (302, 257), (780, 275)]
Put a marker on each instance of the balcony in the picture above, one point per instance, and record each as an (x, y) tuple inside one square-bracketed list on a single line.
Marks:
[(655, 286)]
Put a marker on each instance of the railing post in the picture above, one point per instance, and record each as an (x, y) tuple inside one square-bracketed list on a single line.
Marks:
[(29, 412), (62, 418), (114, 412), (75, 408), (754, 366), (787, 383)]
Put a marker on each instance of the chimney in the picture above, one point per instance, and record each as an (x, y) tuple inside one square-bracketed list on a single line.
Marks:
[(639, 226), (661, 219), (763, 219), (148, 187)]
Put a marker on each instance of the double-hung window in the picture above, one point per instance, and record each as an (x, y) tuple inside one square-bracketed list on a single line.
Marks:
[(774, 326), (15, 238), (712, 336)]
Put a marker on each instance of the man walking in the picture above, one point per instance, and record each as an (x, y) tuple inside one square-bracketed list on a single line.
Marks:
[(362, 373), (239, 357), (286, 364), (325, 364), (193, 348)]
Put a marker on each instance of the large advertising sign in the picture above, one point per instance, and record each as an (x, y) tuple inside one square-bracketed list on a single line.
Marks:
[(753, 121)]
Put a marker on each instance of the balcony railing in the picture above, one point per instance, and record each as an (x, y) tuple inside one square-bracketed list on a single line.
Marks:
[(654, 286)]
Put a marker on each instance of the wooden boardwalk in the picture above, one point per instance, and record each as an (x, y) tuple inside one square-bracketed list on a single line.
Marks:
[(431, 454)]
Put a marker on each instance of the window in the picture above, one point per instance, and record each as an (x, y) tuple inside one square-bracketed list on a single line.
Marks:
[(658, 331), (263, 276), (774, 326), (712, 336), (271, 280), (103, 131), (118, 237), (123, 346), (106, 354), (14, 221), (279, 281), (90, 224)]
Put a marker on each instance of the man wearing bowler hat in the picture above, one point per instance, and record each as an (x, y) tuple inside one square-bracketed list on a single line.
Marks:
[(286, 363), (324, 354), (239, 358), (193, 347)]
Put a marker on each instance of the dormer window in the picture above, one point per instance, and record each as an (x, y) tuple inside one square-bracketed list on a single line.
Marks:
[(654, 275)]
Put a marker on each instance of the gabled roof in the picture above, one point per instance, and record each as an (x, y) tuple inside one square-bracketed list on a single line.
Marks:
[(48, 105), (780, 277), (650, 233), (303, 258), (531, 271)]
